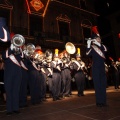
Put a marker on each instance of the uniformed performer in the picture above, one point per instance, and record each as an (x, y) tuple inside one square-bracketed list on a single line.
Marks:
[(79, 75), (115, 74), (56, 77), (12, 77), (43, 76), (34, 81), (97, 51), (66, 76), (49, 70), (24, 82)]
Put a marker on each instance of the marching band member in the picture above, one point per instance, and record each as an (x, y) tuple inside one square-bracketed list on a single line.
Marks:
[(34, 81), (12, 76), (56, 77), (24, 82), (115, 73), (79, 75), (49, 70), (42, 74), (97, 51), (66, 76)]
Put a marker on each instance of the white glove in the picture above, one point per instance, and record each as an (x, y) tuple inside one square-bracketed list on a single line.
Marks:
[(97, 43), (36, 56), (12, 47), (88, 43), (59, 61)]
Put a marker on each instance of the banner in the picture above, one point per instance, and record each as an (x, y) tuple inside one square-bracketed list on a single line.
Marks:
[(37, 7)]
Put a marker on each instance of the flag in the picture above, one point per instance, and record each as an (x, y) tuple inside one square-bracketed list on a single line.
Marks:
[(4, 33)]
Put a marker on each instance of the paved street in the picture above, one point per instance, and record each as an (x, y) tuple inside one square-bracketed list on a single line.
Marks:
[(70, 108)]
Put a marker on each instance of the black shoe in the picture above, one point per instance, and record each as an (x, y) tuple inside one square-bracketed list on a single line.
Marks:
[(44, 100), (104, 105), (99, 105), (23, 106), (63, 96), (79, 95), (82, 95), (17, 112), (67, 95), (9, 113), (58, 98), (54, 99)]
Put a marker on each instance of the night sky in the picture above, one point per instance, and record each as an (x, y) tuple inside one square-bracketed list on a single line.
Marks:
[(104, 8)]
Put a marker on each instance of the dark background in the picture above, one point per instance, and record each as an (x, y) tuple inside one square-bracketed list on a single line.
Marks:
[(105, 8)]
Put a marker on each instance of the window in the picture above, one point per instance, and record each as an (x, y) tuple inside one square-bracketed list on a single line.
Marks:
[(64, 30), (64, 27), (86, 33), (86, 29), (36, 24), (83, 4)]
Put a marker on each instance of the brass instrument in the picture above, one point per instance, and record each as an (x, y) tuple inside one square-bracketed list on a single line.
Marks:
[(64, 59), (17, 42), (69, 49), (38, 55), (29, 49), (48, 55)]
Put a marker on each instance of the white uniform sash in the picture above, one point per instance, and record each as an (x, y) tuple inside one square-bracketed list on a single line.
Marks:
[(43, 71), (57, 67), (99, 52), (14, 60), (34, 65), (55, 63), (49, 69), (23, 65), (77, 63)]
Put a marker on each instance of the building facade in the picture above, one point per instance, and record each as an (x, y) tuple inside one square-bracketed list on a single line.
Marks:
[(51, 23)]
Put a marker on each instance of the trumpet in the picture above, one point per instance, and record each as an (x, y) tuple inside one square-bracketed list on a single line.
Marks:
[(92, 40)]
